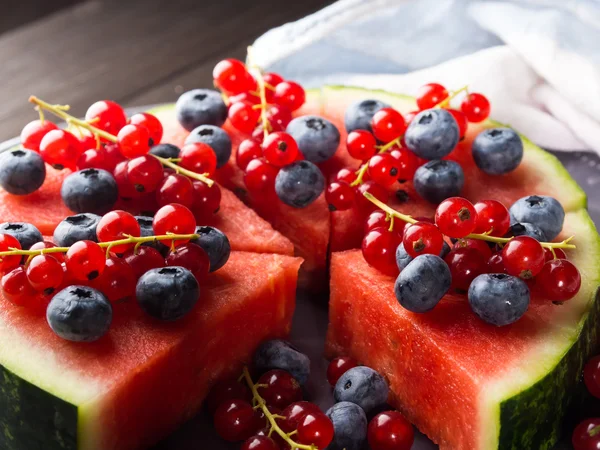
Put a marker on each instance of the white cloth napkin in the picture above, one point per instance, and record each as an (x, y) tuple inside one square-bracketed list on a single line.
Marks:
[(538, 61)]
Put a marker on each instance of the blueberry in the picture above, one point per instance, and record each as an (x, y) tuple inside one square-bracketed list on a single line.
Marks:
[(432, 134), (422, 283), (280, 354), (79, 314), (438, 180), (540, 210), (317, 138), (165, 151), (90, 190), (498, 298), (215, 244), (403, 258), (80, 227), (145, 223), (363, 386), (527, 229), (167, 293), (358, 115), (22, 171), (350, 426), (217, 138), (497, 151), (200, 107), (26, 233), (299, 184)]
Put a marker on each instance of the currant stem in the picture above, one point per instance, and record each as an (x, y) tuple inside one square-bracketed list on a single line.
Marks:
[(360, 173), (60, 111), (271, 417), (447, 100), (261, 93), (483, 237)]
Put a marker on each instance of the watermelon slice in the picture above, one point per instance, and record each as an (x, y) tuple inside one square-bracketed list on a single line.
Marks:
[(467, 384), (144, 378)]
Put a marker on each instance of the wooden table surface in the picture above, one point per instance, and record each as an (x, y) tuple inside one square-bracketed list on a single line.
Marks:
[(132, 51)]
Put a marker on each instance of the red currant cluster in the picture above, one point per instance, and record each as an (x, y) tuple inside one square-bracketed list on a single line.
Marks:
[(587, 434), (262, 106), (384, 165), (479, 246)]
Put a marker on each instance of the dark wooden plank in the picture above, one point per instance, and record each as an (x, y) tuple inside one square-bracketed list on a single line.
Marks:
[(16, 13), (115, 49)]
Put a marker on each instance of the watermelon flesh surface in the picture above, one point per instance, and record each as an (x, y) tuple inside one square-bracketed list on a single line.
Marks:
[(144, 378)]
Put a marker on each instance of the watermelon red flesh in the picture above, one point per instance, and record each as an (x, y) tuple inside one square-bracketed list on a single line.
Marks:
[(145, 377)]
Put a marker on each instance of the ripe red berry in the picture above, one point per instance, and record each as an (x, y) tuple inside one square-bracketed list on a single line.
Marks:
[(94, 159), (461, 121), (133, 140), (227, 389), (390, 431), (340, 196), (388, 124), (117, 280), (248, 150), (495, 264), (198, 157), (558, 254), (243, 116), (361, 144), (523, 257), (260, 443), (8, 243), (492, 215), (271, 81), (430, 95), (16, 287), (315, 428), (280, 149), (465, 264), (475, 107), (116, 225), (85, 260), (145, 173), (479, 245), (44, 273), (143, 259), (379, 250), (377, 219), (591, 376), (33, 133), (126, 189), (345, 175), (235, 420), (422, 238), (587, 435), (406, 162), (155, 128), (559, 280), (409, 116), (251, 98), (290, 95), (60, 149), (384, 169), (260, 178), (106, 115), (280, 388), (232, 76), (207, 200), (192, 257), (176, 219), (175, 188), (338, 367), (376, 190), (456, 217), (113, 153), (60, 257)]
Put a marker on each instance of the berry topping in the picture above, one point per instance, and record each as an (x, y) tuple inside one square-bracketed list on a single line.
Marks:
[(134, 140), (145, 173), (523, 257), (456, 217), (340, 196), (89, 190), (289, 94), (107, 116), (280, 149), (153, 125), (175, 188), (216, 138), (497, 151), (475, 107), (232, 76), (243, 116), (33, 133), (117, 225), (338, 367), (192, 257), (492, 218), (176, 219), (587, 435), (85, 260), (432, 134), (279, 354), (390, 431), (361, 144), (8, 243), (165, 151), (591, 376), (299, 184), (17, 289), (235, 420), (422, 238), (200, 107), (248, 150), (315, 428), (379, 249), (21, 171), (44, 273), (542, 211), (388, 125), (317, 138), (422, 283), (358, 116), (559, 280), (363, 386), (279, 388), (430, 95), (216, 245), (26, 233), (350, 426), (198, 157), (439, 179), (488, 296), (60, 149), (465, 264)]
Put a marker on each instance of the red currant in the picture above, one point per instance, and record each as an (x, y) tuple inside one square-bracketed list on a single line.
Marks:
[(390, 431), (260, 443), (406, 161), (523, 257), (558, 254), (192, 257), (7, 243), (113, 153), (475, 107), (106, 115), (116, 225), (143, 259), (383, 169), (346, 175), (388, 124), (243, 116), (133, 140), (591, 376), (279, 117), (248, 150), (85, 260), (153, 125), (340, 196), (422, 238), (272, 79), (250, 98), (495, 264), (376, 190), (361, 144), (227, 389), (465, 264), (289, 94), (456, 217), (232, 76), (86, 141), (235, 420), (430, 95), (126, 189), (280, 388), (175, 188), (44, 273), (377, 219), (559, 280), (145, 173), (207, 199), (60, 149), (461, 121), (198, 157), (16, 287), (60, 257), (117, 280), (316, 429), (94, 159), (492, 216), (280, 149), (587, 435), (176, 219), (379, 250), (409, 116), (260, 178), (479, 245), (33, 133), (338, 367), (294, 413)]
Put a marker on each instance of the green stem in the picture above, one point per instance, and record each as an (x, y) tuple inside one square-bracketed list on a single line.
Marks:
[(447, 100), (261, 93), (360, 173)]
